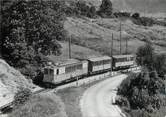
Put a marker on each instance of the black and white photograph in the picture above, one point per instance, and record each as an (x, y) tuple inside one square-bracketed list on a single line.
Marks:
[(82, 58)]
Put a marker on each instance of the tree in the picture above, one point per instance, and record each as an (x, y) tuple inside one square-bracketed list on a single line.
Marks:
[(160, 65), (30, 28), (82, 8), (136, 15), (92, 12), (105, 8), (145, 56)]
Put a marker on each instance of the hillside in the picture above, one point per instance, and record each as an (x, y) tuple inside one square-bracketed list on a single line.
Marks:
[(76, 52), (97, 33), (150, 6), (10, 81)]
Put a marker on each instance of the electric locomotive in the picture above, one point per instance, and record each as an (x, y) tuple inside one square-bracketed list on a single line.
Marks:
[(66, 71)]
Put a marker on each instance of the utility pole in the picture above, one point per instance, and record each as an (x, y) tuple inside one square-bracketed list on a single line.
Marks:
[(120, 37), (70, 47), (144, 8), (112, 46), (126, 45)]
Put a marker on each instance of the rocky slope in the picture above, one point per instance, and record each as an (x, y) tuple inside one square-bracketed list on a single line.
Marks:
[(10, 81)]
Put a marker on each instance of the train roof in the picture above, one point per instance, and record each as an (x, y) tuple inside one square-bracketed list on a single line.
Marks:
[(67, 62), (63, 63), (99, 58), (123, 56)]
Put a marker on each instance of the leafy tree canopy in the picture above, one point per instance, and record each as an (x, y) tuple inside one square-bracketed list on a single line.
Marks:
[(30, 29), (146, 90), (105, 8), (145, 56)]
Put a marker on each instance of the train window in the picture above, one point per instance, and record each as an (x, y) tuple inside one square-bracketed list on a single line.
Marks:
[(128, 58), (51, 71), (79, 66), (106, 61), (121, 59), (45, 71), (68, 69), (57, 71), (132, 58), (97, 63), (73, 68)]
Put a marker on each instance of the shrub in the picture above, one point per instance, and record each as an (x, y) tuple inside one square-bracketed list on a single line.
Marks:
[(143, 21), (139, 113), (121, 14), (136, 15), (39, 106), (145, 90), (92, 12), (105, 8), (123, 102), (21, 97), (145, 56)]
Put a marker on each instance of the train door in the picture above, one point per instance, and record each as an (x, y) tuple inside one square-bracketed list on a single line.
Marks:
[(48, 75)]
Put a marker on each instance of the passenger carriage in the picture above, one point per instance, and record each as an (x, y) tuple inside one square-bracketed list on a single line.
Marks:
[(123, 61), (99, 64)]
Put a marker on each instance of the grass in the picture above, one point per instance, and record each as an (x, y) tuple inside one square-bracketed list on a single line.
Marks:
[(77, 51), (96, 34), (46, 105), (71, 97)]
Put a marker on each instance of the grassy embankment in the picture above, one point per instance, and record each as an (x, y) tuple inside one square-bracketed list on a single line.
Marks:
[(43, 105)]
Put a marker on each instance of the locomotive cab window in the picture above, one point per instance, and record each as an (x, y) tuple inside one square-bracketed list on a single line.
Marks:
[(48, 71), (45, 71)]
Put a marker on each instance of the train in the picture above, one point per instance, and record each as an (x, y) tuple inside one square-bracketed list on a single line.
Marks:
[(75, 69)]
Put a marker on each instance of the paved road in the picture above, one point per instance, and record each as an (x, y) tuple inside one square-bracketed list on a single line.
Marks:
[(97, 100)]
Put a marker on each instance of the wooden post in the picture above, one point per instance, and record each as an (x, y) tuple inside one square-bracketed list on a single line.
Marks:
[(126, 45), (112, 44), (120, 37), (70, 47)]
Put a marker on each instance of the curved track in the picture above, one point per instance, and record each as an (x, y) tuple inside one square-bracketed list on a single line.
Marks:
[(97, 101)]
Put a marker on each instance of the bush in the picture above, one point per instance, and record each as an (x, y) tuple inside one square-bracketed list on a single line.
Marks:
[(39, 106), (139, 113), (105, 9), (143, 21), (123, 102), (81, 8), (136, 15), (21, 97), (145, 90), (122, 14), (92, 12)]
